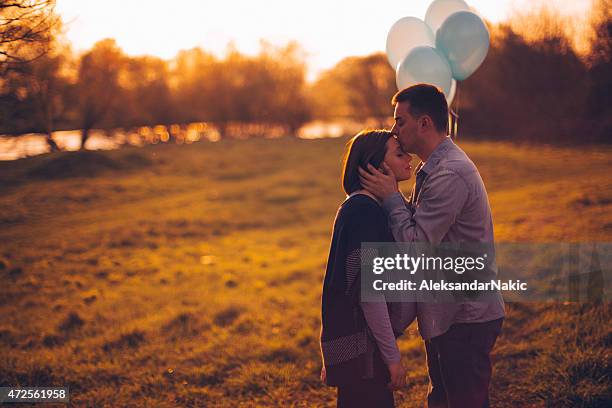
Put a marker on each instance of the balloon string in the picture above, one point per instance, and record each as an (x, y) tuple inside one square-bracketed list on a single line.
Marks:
[(455, 115)]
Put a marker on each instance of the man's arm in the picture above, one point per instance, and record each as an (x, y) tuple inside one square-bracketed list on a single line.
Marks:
[(443, 197)]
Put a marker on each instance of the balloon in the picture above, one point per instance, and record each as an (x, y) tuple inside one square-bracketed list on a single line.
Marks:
[(451, 93), (405, 34), (463, 38), (439, 10), (424, 65)]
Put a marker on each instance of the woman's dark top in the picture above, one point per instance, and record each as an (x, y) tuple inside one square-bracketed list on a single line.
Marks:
[(350, 351)]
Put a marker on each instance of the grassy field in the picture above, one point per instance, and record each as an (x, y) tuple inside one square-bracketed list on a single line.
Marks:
[(191, 275)]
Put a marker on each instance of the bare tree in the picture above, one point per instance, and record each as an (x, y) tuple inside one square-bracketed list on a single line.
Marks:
[(26, 28)]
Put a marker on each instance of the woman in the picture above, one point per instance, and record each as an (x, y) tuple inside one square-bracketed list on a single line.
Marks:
[(360, 354)]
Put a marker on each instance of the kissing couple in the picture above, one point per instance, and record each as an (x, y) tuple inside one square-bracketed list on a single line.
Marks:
[(448, 204)]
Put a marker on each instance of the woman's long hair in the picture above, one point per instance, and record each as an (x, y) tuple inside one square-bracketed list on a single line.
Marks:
[(367, 146)]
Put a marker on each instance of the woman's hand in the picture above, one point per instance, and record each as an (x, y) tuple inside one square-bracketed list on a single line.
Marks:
[(323, 374), (398, 376)]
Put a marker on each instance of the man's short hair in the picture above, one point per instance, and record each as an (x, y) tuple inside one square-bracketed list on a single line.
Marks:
[(425, 99)]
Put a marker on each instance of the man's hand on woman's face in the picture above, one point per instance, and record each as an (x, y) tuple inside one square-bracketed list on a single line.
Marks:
[(382, 185)]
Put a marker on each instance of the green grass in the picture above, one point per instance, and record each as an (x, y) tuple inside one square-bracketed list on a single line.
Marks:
[(191, 275)]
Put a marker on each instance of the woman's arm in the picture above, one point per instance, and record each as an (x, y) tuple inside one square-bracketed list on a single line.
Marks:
[(377, 318), (375, 313), (367, 226)]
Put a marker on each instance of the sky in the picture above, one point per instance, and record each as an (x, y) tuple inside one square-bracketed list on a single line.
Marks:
[(328, 30)]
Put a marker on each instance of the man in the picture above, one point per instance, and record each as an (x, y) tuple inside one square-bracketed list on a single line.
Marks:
[(449, 203)]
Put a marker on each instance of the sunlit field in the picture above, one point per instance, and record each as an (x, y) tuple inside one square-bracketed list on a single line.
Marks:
[(191, 275)]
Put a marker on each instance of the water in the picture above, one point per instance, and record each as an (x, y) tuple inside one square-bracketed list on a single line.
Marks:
[(31, 144)]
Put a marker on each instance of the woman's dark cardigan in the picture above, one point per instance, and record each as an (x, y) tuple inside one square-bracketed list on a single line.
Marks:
[(348, 347)]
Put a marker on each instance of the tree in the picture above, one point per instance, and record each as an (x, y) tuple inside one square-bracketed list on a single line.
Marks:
[(26, 29), (193, 71), (286, 99), (527, 88), (220, 82), (600, 72), (37, 93), (97, 85), (262, 91), (359, 87), (146, 96), (205, 85)]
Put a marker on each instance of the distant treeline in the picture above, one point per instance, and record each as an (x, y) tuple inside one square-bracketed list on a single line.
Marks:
[(540, 89), (528, 89)]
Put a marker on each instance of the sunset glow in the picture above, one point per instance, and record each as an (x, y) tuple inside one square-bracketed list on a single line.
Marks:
[(328, 30)]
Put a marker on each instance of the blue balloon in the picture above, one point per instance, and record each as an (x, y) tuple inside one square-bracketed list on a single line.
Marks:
[(424, 65), (463, 38)]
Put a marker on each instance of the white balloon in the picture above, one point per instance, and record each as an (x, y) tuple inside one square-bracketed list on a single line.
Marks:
[(439, 10), (404, 35), (424, 65)]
